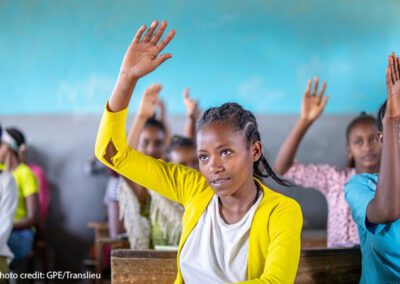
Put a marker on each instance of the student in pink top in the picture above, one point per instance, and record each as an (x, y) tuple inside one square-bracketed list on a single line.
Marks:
[(363, 153)]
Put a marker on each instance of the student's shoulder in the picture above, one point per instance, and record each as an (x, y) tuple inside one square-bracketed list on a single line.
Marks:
[(363, 180), (277, 200), (23, 169)]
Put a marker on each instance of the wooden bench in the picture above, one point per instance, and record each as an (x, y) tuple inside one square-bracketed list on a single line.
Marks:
[(316, 266)]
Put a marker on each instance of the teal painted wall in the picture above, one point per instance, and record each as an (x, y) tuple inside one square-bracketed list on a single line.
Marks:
[(64, 56)]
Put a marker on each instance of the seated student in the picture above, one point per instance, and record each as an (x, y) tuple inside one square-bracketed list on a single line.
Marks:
[(375, 198), (234, 227), (363, 153), (152, 144), (27, 212), (165, 215), (8, 204), (43, 185)]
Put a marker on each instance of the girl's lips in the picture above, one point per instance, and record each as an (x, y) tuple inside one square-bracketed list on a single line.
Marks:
[(369, 157), (219, 181)]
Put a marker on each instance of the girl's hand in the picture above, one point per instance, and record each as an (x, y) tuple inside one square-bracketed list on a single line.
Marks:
[(313, 104), (150, 101), (143, 55), (190, 104), (393, 87)]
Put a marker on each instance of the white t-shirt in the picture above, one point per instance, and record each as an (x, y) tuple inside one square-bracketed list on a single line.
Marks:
[(8, 204), (216, 252)]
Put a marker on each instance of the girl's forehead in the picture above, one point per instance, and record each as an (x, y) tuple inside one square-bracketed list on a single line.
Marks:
[(219, 134), (363, 128)]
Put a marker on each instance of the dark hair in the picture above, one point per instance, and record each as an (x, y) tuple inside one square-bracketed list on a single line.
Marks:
[(153, 122), (17, 135), (362, 118), (180, 141), (242, 120), (381, 115), (19, 138)]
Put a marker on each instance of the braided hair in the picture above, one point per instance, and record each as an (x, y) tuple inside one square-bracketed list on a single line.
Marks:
[(241, 120), (363, 118)]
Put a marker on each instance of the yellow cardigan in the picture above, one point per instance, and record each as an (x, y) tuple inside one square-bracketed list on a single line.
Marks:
[(274, 241)]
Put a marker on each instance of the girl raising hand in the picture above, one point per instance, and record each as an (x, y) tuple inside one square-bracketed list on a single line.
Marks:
[(235, 229)]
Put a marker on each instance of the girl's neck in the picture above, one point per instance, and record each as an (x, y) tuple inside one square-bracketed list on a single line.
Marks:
[(12, 163), (232, 208), (369, 170)]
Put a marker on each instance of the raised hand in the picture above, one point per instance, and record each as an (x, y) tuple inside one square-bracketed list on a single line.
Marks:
[(150, 101), (190, 104), (313, 102), (143, 55), (393, 87)]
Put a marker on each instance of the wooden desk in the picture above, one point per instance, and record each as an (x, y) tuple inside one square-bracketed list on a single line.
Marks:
[(316, 266)]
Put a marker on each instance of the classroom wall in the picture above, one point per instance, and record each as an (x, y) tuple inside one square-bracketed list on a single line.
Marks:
[(63, 144), (63, 56)]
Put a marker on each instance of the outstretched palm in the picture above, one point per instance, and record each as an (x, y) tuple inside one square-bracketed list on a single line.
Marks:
[(313, 103), (393, 86), (142, 56)]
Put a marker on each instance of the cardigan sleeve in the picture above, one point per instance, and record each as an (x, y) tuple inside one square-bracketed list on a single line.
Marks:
[(175, 182)]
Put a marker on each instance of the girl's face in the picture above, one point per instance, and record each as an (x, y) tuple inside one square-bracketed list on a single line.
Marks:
[(224, 159), (4, 150), (185, 156), (151, 142), (364, 147)]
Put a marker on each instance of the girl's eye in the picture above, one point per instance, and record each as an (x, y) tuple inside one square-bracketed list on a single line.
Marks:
[(358, 142), (202, 157), (226, 152)]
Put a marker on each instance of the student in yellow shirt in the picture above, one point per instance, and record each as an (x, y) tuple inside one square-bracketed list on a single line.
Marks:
[(235, 229), (27, 212)]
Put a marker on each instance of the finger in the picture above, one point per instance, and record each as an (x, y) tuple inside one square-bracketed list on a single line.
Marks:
[(186, 93), (150, 31), (157, 88), (161, 58), (153, 91), (162, 44), (314, 93), (388, 77), (324, 101), (396, 67), (148, 91), (158, 34), (321, 93), (139, 34), (307, 92), (391, 66)]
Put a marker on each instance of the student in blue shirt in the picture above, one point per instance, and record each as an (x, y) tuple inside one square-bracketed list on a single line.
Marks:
[(375, 199)]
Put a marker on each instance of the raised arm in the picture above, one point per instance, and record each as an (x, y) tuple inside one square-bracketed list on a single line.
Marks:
[(141, 58), (385, 206), (192, 113), (173, 181), (147, 108), (312, 106)]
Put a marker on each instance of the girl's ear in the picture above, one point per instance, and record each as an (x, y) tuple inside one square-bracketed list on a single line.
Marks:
[(256, 151)]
